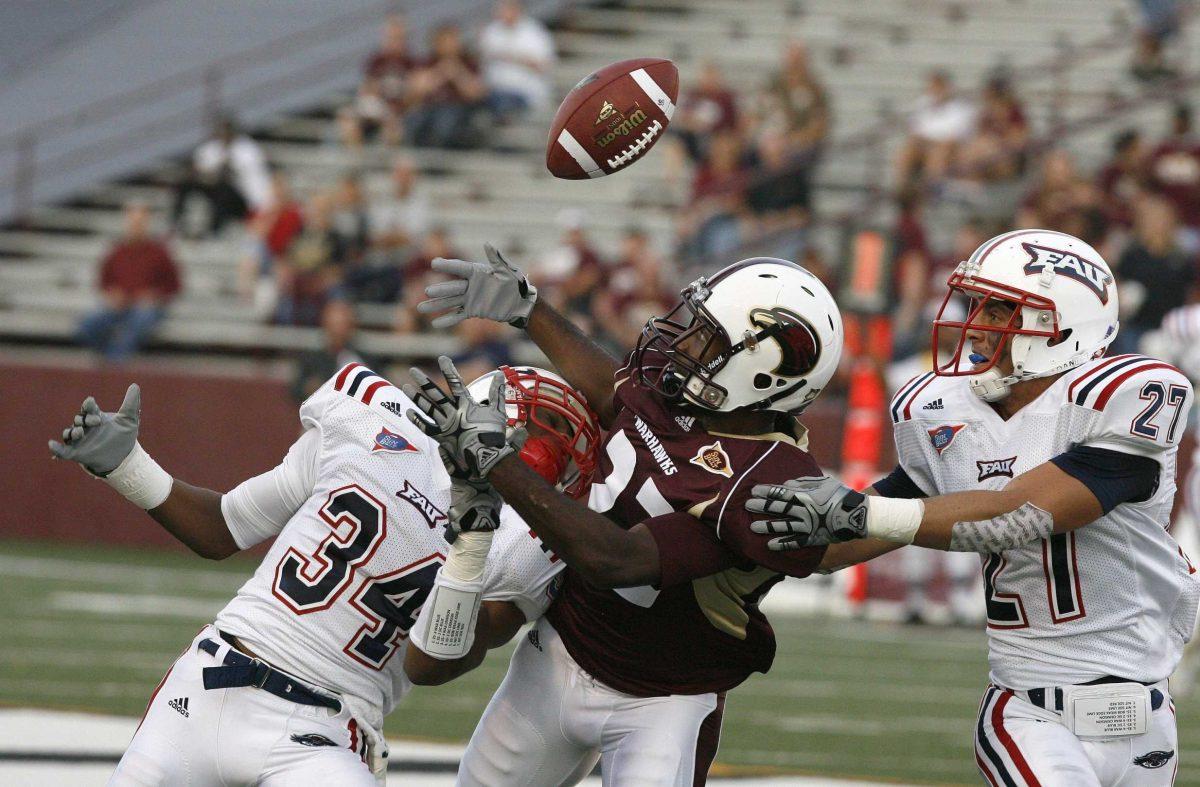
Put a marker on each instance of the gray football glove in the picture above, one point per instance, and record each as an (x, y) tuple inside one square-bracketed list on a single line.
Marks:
[(474, 508), (98, 440), (493, 290), (472, 437), (818, 511)]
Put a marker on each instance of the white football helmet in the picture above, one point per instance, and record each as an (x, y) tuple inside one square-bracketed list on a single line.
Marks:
[(1065, 315), (761, 334), (566, 449)]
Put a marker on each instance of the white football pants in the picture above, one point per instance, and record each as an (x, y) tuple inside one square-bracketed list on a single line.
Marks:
[(195, 736), (1018, 743), (550, 721)]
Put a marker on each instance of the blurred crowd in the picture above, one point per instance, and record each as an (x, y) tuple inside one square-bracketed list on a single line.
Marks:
[(740, 161)]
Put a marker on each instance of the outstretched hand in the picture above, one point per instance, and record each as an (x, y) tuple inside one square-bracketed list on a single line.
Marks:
[(472, 437), (493, 290), (815, 511), (99, 440)]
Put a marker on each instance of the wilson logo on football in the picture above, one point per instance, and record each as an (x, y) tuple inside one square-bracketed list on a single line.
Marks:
[(713, 459), (392, 443), (994, 468), (943, 436), (620, 123)]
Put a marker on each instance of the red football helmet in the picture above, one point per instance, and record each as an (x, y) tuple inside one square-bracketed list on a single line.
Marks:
[(564, 447)]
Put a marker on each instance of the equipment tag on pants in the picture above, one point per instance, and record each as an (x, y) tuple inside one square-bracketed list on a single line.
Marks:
[(1109, 711)]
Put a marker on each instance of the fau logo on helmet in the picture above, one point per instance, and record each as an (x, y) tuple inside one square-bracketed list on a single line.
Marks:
[(1072, 265)]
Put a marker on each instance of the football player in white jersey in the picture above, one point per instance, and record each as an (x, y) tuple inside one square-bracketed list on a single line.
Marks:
[(1057, 465), (291, 682)]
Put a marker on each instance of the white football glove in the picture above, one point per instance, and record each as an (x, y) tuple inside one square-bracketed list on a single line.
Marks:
[(493, 290)]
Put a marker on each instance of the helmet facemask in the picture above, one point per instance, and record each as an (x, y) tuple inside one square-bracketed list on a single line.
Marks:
[(564, 433)]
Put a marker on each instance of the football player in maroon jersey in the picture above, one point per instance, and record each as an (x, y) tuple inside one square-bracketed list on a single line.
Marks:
[(658, 616)]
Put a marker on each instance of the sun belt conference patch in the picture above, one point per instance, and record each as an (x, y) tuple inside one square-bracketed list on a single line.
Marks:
[(392, 443), (944, 435)]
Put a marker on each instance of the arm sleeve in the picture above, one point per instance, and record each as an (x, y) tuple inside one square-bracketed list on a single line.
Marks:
[(688, 549), (1113, 477), (259, 507), (898, 484)]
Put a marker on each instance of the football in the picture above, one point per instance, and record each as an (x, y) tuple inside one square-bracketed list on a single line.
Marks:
[(612, 118)]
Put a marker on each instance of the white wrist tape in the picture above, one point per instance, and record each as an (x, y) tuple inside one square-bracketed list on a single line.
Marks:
[(446, 626), (894, 520), (140, 480)]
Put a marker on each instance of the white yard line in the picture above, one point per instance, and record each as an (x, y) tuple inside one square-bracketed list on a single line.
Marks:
[(57, 569), (147, 604)]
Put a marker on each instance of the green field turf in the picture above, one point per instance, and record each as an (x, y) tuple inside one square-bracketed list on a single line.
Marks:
[(94, 628)]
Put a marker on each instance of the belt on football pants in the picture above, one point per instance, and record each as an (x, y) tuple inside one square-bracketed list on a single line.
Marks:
[(1051, 698), (241, 670)]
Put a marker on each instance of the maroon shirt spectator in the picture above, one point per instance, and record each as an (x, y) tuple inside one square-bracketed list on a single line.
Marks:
[(391, 64), (1124, 177), (709, 108), (446, 92), (138, 277), (1175, 169)]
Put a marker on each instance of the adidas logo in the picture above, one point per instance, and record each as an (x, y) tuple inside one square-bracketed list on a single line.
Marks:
[(180, 705), (394, 407), (685, 422), (936, 404)]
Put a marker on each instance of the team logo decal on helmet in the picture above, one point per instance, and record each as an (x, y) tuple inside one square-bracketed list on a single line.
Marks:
[(761, 334), (1083, 271)]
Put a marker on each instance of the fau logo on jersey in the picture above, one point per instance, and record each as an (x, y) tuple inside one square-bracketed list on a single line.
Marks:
[(392, 443), (944, 435), (1083, 271), (433, 515), (993, 468)]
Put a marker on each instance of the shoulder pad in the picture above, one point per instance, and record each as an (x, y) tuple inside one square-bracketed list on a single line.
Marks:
[(1099, 381), (356, 382), (1142, 402)]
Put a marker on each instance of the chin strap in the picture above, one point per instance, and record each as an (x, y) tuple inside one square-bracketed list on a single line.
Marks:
[(991, 386)]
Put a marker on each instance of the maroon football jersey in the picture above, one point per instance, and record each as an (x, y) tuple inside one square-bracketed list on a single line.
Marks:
[(701, 630)]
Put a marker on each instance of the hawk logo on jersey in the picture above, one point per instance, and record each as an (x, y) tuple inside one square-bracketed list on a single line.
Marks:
[(1154, 759), (713, 459), (433, 515), (1083, 271), (312, 739), (943, 436), (993, 468), (392, 443)]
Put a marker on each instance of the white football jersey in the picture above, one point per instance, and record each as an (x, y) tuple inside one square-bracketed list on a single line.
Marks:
[(359, 508), (1115, 597)]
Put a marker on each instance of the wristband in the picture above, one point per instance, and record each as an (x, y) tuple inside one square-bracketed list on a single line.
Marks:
[(140, 479), (893, 519)]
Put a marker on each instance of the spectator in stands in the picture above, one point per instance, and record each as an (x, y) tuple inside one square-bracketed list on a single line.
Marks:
[(1061, 199), (339, 325), (910, 274), (138, 278), (778, 193), (572, 269), (446, 92), (271, 234), (1154, 274), (638, 280), (996, 151), (230, 171), (383, 94), (710, 225), (796, 102), (351, 217), (1175, 173), (417, 273), (484, 345), (516, 53), (312, 271), (398, 221), (708, 108), (1123, 178), (939, 124), (1161, 21)]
